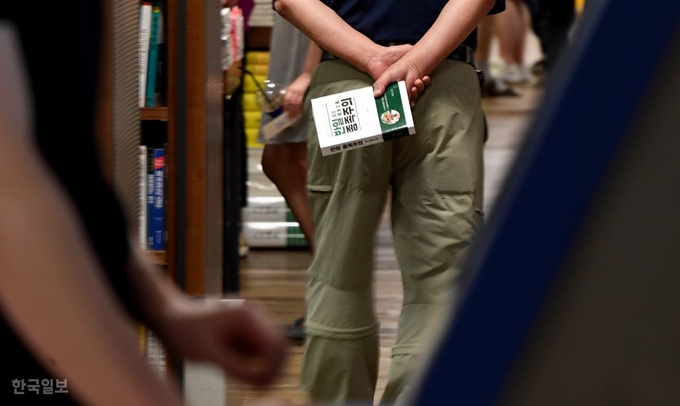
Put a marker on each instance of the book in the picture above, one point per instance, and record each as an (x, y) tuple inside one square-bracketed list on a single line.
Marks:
[(142, 197), (274, 235), (161, 63), (144, 36), (152, 70), (267, 209), (150, 198), (158, 214), (280, 123), (356, 119)]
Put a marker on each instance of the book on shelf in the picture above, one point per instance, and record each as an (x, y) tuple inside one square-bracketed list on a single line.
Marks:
[(144, 36), (156, 354), (142, 196), (152, 55), (153, 181)]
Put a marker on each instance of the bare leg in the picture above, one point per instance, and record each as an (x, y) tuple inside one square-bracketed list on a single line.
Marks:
[(524, 26), (286, 166), (506, 24)]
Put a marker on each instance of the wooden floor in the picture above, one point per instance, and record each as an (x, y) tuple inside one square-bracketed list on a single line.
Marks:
[(276, 279)]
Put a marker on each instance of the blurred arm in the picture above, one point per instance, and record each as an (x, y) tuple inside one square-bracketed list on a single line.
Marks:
[(51, 288)]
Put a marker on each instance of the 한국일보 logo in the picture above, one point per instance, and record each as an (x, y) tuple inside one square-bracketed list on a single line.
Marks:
[(344, 118)]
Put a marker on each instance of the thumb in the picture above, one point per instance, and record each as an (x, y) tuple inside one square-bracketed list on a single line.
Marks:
[(381, 84)]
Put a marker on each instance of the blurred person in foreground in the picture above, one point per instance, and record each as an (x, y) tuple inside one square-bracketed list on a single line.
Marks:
[(72, 284), (436, 178)]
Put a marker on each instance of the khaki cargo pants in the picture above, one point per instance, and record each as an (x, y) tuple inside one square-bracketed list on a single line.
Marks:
[(436, 182)]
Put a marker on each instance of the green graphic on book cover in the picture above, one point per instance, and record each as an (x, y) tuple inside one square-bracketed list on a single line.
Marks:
[(391, 113)]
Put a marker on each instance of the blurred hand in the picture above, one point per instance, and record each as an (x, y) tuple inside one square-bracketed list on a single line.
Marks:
[(295, 92), (238, 338), (229, 3), (404, 69)]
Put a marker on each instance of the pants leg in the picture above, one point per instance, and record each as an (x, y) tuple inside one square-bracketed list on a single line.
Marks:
[(436, 209), (347, 195)]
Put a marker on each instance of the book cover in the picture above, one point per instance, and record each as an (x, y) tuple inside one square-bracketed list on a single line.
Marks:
[(356, 119)]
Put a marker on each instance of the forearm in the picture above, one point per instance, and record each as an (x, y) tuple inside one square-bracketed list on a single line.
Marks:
[(456, 21), (57, 300), (155, 295), (312, 59), (323, 26)]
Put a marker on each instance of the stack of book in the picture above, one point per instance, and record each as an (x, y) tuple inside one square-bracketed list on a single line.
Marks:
[(267, 220), (256, 62), (263, 14)]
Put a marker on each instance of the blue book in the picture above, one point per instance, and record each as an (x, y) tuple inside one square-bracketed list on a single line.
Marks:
[(159, 202), (149, 197)]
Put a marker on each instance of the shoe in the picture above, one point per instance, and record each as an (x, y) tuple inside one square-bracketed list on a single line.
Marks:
[(514, 74), (296, 332), (243, 248), (497, 88)]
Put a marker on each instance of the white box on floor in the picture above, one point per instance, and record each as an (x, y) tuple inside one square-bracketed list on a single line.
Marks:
[(356, 118)]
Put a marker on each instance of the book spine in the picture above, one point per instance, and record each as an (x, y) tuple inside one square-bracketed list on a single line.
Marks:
[(153, 56), (142, 197), (156, 354), (144, 36), (150, 187), (159, 201), (161, 70)]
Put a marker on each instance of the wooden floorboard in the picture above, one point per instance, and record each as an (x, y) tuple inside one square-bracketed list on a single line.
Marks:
[(276, 279)]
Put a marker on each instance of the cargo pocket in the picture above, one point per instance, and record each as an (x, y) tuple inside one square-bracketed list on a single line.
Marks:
[(319, 198)]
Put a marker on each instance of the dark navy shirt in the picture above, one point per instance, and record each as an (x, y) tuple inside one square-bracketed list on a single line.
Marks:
[(401, 21)]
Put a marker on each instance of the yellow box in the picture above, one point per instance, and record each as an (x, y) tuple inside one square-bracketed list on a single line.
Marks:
[(257, 57), (249, 85), (258, 69), (251, 138), (250, 102), (252, 119)]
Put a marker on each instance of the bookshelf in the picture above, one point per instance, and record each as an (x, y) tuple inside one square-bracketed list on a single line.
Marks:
[(154, 114), (185, 120)]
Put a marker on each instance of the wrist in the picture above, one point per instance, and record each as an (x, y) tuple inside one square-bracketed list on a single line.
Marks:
[(368, 55)]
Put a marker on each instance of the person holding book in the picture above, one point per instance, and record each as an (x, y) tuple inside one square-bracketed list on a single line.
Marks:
[(436, 178), (73, 287)]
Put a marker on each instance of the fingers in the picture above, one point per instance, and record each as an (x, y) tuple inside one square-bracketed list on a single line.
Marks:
[(252, 349), (418, 88), (292, 103)]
